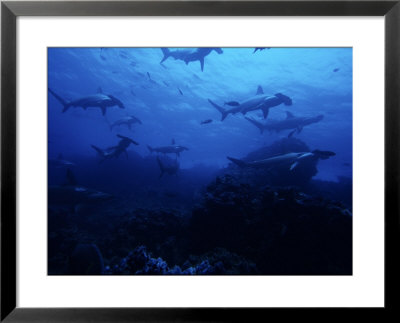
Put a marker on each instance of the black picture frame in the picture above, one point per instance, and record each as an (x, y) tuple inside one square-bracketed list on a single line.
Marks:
[(10, 10)]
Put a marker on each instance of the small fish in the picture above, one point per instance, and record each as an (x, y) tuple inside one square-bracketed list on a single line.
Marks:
[(123, 54), (180, 91), (336, 70), (206, 121), (232, 103), (133, 63), (166, 84), (346, 164), (148, 75), (164, 66), (133, 93)]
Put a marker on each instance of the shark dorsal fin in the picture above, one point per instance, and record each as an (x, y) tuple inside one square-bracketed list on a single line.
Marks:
[(173, 141), (99, 90), (289, 115), (60, 156), (259, 90)]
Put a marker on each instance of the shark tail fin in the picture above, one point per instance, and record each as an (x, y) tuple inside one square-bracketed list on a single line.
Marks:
[(166, 53), (162, 169), (98, 150), (201, 60), (150, 149), (224, 112), (65, 104), (238, 162), (259, 125)]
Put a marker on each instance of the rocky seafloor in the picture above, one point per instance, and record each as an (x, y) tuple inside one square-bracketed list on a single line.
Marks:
[(242, 226), (236, 230)]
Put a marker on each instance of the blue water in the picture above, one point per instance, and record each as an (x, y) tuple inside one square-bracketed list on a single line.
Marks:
[(318, 80), (124, 215)]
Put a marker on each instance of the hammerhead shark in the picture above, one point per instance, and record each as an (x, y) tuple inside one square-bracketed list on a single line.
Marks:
[(190, 54), (290, 123), (115, 151), (60, 162), (99, 100), (128, 121), (259, 101), (72, 194), (172, 149), (290, 159)]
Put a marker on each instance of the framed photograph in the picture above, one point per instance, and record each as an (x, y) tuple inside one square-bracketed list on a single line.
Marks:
[(198, 161)]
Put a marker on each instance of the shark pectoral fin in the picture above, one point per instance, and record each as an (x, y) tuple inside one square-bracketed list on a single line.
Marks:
[(98, 150), (66, 107), (265, 112), (293, 165), (291, 133), (257, 124), (238, 162)]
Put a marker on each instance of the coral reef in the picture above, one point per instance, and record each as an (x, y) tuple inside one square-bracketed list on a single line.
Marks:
[(239, 224)]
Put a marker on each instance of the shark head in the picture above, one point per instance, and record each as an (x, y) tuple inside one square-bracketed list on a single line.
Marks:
[(285, 99), (323, 154), (117, 102)]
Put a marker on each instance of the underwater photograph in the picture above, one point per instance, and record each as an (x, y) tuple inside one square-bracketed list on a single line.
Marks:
[(200, 161)]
